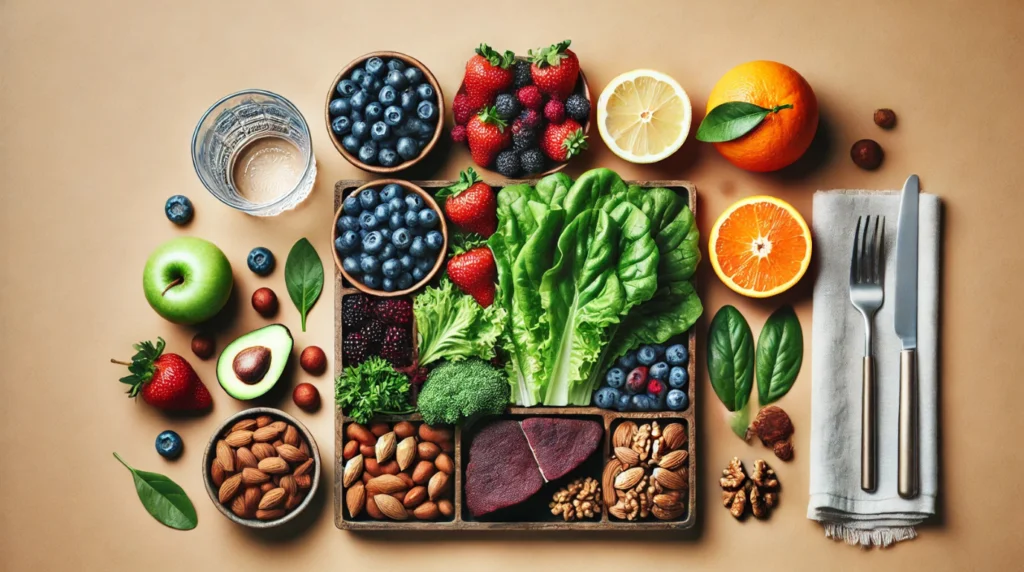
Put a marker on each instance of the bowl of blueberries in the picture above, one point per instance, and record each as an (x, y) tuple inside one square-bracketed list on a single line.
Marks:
[(385, 112), (389, 237)]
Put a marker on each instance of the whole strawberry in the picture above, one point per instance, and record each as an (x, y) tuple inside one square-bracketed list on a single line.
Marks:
[(165, 381), (471, 204), (562, 141), (555, 70), (488, 72), (487, 136), (474, 272)]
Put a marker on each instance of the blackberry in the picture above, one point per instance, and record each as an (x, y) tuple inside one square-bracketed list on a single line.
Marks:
[(577, 107), (355, 311), (507, 163), (373, 332), (523, 77), (530, 118), (353, 349), (532, 161), (395, 311), (507, 106), (397, 346), (524, 139)]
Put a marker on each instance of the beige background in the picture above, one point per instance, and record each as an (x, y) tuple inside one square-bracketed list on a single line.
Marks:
[(97, 105)]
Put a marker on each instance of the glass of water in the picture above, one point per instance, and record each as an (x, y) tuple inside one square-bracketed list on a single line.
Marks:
[(253, 151)]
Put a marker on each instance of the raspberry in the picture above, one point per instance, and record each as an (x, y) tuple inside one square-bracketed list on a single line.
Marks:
[(531, 118), (353, 349), (395, 311), (554, 111), (655, 387), (459, 134), (530, 97)]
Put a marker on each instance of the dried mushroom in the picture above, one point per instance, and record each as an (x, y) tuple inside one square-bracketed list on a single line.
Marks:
[(774, 428)]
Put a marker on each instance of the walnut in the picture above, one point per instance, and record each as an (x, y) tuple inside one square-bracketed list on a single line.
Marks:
[(774, 428), (581, 499), (764, 488), (642, 442), (733, 481)]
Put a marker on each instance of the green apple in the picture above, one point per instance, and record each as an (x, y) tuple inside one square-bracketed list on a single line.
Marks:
[(187, 280)]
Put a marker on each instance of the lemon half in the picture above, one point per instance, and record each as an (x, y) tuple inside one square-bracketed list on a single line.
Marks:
[(643, 116)]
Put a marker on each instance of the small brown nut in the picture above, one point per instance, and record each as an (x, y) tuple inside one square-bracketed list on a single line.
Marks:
[(267, 434), (203, 346), (229, 488), (867, 154), (216, 473), (355, 499), (238, 507), (252, 496), (427, 511), (252, 476), (263, 450), (271, 514), (272, 499), (304, 481), (391, 507), (354, 469), (673, 437), (361, 434), (303, 468), (423, 471), (371, 466), (885, 118), (313, 360), (389, 468), (628, 457), (437, 435), (287, 483), (405, 453), (404, 429), (351, 449), (263, 421), (415, 497), (437, 486), (371, 508), (243, 425), (264, 301), (385, 448), (385, 484), (274, 466), (368, 451), (306, 397), (291, 436), (294, 501), (428, 451), (291, 454), (446, 508), (444, 463), (226, 456), (380, 428), (245, 458), (623, 436), (406, 479), (266, 487)]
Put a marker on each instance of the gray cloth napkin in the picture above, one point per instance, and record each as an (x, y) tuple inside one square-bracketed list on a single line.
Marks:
[(837, 348)]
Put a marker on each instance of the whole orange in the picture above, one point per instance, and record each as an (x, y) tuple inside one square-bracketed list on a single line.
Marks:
[(783, 136)]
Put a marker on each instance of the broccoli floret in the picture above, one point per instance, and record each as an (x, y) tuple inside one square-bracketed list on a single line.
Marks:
[(457, 390)]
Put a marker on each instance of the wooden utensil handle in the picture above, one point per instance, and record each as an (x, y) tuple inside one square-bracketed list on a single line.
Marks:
[(868, 467), (908, 453)]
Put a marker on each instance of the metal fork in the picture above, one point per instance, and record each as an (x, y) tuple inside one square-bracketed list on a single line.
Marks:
[(866, 294)]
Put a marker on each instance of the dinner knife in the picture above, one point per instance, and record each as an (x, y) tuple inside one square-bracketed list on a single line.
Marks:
[(905, 322)]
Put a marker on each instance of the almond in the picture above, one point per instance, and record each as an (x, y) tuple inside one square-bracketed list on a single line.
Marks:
[(404, 429), (263, 450), (423, 471), (673, 436), (435, 435), (294, 501), (437, 486), (226, 456), (379, 428), (245, 458), (390, 507), (279, 425), (629, 478), (291, 454), (238, 507), (618, 510), (611, 471), (385, 447), (405, 452), (415, 497), (276, 479), (353, 470), (277, 443), (623, 436), (304, 468), (385, 484), (266, 487), (371, 508), (273, 466), (265, 434), (288, 484), (367, 476), (355, 499), (444, 463), (427, 451), (446, 507), (251, 476), (305, 449), (243, 425), (368, 451), (667, 500), (674, 460), (304, 481), (239, 438), (263, 421), (271, 514), (360, 433), (406, 479), (628, 457), (371, 466), (427, 511), (229, 489), (668, 479), (216, 473), (389, 468), (272, 498), (291, 436), (252, 497), (671, 513), (351, 450)]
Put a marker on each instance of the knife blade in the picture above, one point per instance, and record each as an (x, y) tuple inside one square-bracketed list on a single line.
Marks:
[(905, 323)]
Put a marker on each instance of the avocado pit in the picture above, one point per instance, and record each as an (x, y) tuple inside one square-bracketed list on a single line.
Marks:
[(251, 364)]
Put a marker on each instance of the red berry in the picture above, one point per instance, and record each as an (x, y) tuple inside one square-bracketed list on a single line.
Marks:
[(530, 97), (531, 118), (459, 134), (554, 111), (636, 380), (655, 387)]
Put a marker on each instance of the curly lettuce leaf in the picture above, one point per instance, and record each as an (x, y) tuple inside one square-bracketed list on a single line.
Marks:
[(452, 326)]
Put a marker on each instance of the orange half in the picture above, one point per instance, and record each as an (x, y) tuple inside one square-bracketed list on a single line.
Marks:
[(760, 246)]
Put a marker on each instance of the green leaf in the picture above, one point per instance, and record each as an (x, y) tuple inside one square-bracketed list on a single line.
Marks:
[(733, 120), (304, 277), (163, 498), (731, 358), (780, 351), (372, 387), (452, 326)]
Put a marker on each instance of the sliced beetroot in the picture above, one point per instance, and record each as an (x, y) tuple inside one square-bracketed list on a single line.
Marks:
[(501, 471), (561, 445)]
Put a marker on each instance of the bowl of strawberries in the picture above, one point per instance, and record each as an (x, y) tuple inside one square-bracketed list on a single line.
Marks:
[(523, 117)]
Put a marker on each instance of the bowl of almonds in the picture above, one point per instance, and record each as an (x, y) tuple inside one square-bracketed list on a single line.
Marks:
[(261, 467)]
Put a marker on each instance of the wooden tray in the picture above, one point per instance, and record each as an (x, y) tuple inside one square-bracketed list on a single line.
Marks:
[(592, 467)]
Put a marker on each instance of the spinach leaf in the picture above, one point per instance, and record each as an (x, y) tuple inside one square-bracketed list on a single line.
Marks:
[(163, 498), (780, 351), (733, 120), (304, 277), (731, 358)]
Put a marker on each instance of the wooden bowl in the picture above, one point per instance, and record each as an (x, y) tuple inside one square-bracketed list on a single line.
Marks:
[(211, 454), (581, 87), (443, 227), (409, 61)]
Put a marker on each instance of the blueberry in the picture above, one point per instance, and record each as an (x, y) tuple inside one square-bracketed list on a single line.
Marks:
[(414, 202), (346, 222), (606, 397), (426, 110), (380, 131), (434, 240), (375, 66), (646, 355), (677, 354), (658, 401), (351, 265), (393, 115), (391, 191), (677, 400), (356, 116), (407, 262), (425, 264), (341, 125), (367, 221), (169, 445), (377, 85), (261, 261), (396, 79), (373, 243), (398, 205), (178, 209), (641, 402), (411, 220), (396, 221), (347, 87), (659, 349), (414, 75), (628, 361), (362, 232), (407, 148), (417, 248), (351, 206), (371, 281), (418, 274), (615, 377), (409, 100), (387, 284), (351, 143), (373, 112), (386, 233), (428, 218), (402, 239), (387, 95), (424, 132), (389, 250), (659, 371), (368, 199), (391, 268), (396, 64), (361, 130), (369, 264), (349, 240), (339, 106), (387, 157), (404, 281), (358, 75), (677, 377), (623, 403), (425, 92), (383, 213), (359, 100)]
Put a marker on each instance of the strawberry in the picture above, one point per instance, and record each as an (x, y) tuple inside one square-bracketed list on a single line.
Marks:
[(471, 204), (488, 72), (166, 381), (555, 70), (487, 136), (475, 272), (562, 141)]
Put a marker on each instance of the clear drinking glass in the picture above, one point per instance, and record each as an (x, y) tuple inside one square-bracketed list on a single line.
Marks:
[(243, 121)]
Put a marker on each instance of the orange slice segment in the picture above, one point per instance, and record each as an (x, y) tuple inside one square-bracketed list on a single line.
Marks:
[(760, 246)]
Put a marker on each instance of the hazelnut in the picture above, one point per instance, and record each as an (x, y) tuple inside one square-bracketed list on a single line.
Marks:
[(866, 154), (264, 301), (313, 360), (306, 396), (885, 118), (203, 345)]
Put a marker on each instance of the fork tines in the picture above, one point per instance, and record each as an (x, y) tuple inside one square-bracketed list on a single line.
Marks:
[(867, 250)]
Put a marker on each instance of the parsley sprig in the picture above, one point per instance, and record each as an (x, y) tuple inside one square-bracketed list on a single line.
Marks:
[(372, 387)]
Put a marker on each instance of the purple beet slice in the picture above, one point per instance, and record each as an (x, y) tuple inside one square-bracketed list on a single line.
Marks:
[(561, 445), (501, 471)]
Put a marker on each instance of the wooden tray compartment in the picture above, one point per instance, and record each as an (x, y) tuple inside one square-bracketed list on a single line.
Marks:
[(543, 519)]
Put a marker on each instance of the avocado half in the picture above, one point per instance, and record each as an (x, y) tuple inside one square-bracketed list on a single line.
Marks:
[(251, 365)]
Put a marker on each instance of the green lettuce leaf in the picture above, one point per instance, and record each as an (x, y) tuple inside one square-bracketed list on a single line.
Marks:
[(452, 326)]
